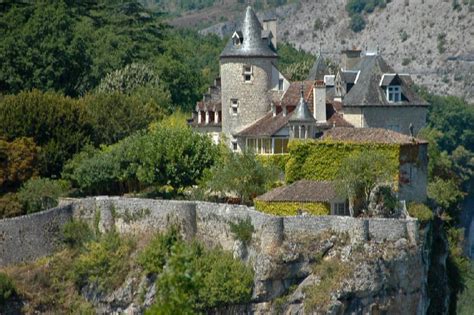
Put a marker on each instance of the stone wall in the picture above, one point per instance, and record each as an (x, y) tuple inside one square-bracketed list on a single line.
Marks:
[(32, 236)]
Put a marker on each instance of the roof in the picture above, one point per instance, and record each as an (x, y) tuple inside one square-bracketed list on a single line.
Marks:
[(293, 93), (318, 70), (302, 113), (211, 101), (349, 76), (266, 126), (302, 191), (252, 43), (368, 92), (372, 135)]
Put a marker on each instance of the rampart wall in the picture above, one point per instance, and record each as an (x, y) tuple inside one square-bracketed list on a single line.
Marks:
[(32, 236)]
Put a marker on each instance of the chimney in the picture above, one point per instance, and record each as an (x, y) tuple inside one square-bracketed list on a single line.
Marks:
[(350, 58), (285, 112), (319, 101), (274, 111), (270, 24)]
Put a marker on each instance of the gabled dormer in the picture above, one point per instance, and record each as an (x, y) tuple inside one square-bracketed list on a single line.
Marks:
[(237, 38), (392, 85)]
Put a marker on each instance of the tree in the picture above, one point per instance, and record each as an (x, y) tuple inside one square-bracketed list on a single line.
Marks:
[(359, 174), (39, 194), (241, 174)]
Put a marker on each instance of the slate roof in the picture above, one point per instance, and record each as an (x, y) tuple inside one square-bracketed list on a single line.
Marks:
[(368, 92), (252, 45), (318, 70), (349, 76), (372, 135), (302, 112), (302, 191)]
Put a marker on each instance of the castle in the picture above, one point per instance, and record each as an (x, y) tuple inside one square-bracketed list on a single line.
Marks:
[(253, 106)]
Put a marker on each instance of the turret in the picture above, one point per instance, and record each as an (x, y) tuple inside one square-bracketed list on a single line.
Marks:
[(302, 123), (246, 74)]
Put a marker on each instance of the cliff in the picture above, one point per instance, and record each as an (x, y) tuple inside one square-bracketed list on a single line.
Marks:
[(302, 264)]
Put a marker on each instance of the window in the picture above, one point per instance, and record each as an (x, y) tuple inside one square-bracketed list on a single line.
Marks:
[(234, 106), (394, 93), (280, 84), (340, 208), (281, 145), (234, 145), (247, 73)]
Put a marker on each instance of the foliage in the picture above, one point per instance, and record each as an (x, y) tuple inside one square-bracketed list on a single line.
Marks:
[(420, 211), (65, 45), (10, 206), (58, 124), (465, 306), (331, 272), (153, 258), (293, 208), (76, 233), (277, 160), (7, 288), (39, 194), (168, 154), (357, 23), (356, 8), (241, 174), (128, 79), (445, 193), (18, 162), (195, 278), (242, 230), (321, 160), (294, 62), (104, 263)]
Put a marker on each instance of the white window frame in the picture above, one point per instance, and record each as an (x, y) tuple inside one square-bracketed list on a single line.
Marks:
[(247, 70), (234, 106), (394, 93)]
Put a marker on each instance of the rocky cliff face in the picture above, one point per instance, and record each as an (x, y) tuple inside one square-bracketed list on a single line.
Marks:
[(426, 38)]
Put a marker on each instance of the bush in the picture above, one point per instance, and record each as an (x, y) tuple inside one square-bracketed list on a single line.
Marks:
[(420, 211), (293, 208), (7, 289), (77, 233), (357, 23), (195, 279), (39, 194), (10, 206), (242, 230), (104, 263)]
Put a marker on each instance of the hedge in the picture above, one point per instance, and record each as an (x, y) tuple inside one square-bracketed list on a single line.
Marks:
[(291, 208), (321, 159)]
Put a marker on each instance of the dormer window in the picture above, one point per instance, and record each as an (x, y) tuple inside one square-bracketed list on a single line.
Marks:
[(394, 93), (234, 106), (237, 38), (247, 72)]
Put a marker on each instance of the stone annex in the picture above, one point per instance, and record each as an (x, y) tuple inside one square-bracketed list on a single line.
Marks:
[(252, 104)]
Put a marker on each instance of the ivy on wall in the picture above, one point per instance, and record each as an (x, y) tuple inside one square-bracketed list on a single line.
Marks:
[(277, 160), (320, 160), (293, 208)]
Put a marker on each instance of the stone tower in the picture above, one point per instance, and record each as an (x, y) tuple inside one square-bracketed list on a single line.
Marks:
[(246, 78)]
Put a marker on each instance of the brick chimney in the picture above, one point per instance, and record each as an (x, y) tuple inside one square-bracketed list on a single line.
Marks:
[(270, 24), (319, 101)]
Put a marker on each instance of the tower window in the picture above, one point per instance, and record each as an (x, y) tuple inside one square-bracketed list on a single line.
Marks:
[(280, 84), (234, 106), (247, 71), (394, 94)]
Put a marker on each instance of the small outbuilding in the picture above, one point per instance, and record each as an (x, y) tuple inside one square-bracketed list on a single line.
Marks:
[(303, 196)]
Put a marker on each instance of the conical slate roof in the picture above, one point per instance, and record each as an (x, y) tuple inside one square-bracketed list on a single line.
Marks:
[(252, 44), (318, 70), (301, 112)]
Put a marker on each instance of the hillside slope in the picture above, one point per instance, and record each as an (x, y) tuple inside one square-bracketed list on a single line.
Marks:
[(426, 38)]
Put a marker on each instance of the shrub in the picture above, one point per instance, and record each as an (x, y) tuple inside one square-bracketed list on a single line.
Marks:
[(104, 263), (77, 233), (7, 289), (406, 61), (10, 206), (39, 194), (153, 258), (318, 24), (242, 230), (357, 23), (420, 211), (293, 208)]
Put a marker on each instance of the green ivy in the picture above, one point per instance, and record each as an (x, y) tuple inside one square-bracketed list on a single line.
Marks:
[(320, 160), (292, 208)]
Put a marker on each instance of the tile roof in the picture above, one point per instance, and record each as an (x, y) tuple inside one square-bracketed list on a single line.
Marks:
[(302, 191), (293, 93), (252, 45), (373, 135), (266, 126), (368, 92)]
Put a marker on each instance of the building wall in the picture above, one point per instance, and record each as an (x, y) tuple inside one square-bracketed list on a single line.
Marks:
[(413, 176), (253, 98), (387, 117)]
